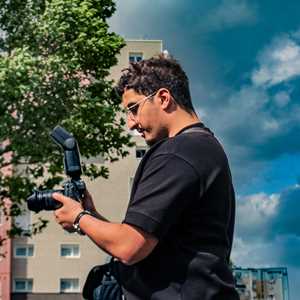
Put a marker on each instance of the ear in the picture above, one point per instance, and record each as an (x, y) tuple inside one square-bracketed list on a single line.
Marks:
[(165, 98)]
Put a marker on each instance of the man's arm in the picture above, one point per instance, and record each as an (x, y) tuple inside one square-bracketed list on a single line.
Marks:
[(127, 243)]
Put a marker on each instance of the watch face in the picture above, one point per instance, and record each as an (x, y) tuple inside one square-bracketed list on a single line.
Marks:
[(77, 228)]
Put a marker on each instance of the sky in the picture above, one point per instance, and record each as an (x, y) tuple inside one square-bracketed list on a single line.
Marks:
[(243, 61)]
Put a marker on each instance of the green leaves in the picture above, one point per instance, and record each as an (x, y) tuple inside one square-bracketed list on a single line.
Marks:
[(55, 57)]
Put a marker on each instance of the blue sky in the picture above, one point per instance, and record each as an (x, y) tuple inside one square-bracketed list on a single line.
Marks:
[(243, 61)]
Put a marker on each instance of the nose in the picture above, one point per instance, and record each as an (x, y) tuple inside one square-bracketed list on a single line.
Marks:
[(132, 123)]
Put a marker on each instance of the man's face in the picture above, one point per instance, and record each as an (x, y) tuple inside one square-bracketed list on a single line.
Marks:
[(144, 113)]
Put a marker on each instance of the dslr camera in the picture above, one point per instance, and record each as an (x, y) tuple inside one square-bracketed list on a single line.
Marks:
[(74, 187)]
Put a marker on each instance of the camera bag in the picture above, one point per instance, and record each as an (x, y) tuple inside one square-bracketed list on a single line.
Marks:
[(102, 283)]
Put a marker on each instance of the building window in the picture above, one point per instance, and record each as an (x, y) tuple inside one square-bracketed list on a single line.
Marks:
[(23, 251), (140, 152), (135, 57), (69, 285), (69, 251), (23, 285)]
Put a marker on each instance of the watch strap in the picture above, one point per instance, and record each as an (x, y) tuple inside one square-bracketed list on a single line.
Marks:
[(77, 220)]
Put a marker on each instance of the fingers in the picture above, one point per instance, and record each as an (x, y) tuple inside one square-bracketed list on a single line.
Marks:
[(59, 197), (66, 226)]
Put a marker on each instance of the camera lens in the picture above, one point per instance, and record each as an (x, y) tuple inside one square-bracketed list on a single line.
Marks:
[(42, 200)]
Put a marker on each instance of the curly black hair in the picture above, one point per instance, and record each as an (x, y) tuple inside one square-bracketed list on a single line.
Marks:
[(149, 75)]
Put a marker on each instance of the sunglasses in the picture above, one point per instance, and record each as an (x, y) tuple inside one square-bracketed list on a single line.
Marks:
[(132, 111)]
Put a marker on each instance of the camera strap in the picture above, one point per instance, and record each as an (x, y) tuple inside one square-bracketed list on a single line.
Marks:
[(203, 130)]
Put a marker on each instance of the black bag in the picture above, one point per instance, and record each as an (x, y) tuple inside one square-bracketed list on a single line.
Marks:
[(103, 283)]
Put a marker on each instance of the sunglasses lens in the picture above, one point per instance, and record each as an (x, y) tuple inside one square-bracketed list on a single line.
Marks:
[(134, 110)]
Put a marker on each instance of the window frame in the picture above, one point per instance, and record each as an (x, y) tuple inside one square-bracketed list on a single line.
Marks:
[(72, 289), (26, 246), (71, 246), (137, 56), (27, 281)]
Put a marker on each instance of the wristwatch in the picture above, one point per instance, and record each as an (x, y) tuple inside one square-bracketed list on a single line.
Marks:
[(77, 220)]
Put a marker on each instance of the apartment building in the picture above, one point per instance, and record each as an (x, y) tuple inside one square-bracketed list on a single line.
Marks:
[(262, 284), (5, 261), (5, 249), (54, 264)]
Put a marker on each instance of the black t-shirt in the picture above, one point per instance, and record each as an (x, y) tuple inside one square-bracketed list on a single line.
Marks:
[(183, 195)]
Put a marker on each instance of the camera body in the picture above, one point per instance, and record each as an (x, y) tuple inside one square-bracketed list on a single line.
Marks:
[(73, 188)]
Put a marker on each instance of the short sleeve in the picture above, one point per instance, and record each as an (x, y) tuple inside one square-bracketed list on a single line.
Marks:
[(167, 185)]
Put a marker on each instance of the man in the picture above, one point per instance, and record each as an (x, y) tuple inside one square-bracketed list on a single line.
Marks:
[(176, 237)]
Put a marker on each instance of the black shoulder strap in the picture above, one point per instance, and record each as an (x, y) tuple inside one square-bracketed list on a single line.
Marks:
[(197, 129)]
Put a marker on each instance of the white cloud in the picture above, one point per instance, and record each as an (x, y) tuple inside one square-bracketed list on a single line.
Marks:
[(282, 98), (140, 19), (267, 234), (296, 35), (253, 254), (278, 63), (263, 220), (255, 210), (264, 204), (271, 125), (244, 114), (251, 120), (273, 216), (228, 14)]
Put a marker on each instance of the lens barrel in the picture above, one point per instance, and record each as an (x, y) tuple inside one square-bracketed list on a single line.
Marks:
[(42, 200)]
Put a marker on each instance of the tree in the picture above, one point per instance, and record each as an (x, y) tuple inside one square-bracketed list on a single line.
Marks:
[(54, 62)]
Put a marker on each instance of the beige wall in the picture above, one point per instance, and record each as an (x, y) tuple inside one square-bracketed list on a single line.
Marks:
[(149, 48), (111, 197)]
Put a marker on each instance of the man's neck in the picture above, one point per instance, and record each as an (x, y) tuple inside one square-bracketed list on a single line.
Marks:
[(182, 120)]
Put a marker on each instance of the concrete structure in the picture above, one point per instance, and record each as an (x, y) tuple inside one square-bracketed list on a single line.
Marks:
[(54, 264), (262, 284)]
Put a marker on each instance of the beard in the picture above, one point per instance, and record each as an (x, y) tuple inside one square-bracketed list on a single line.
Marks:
[(160, 135)]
